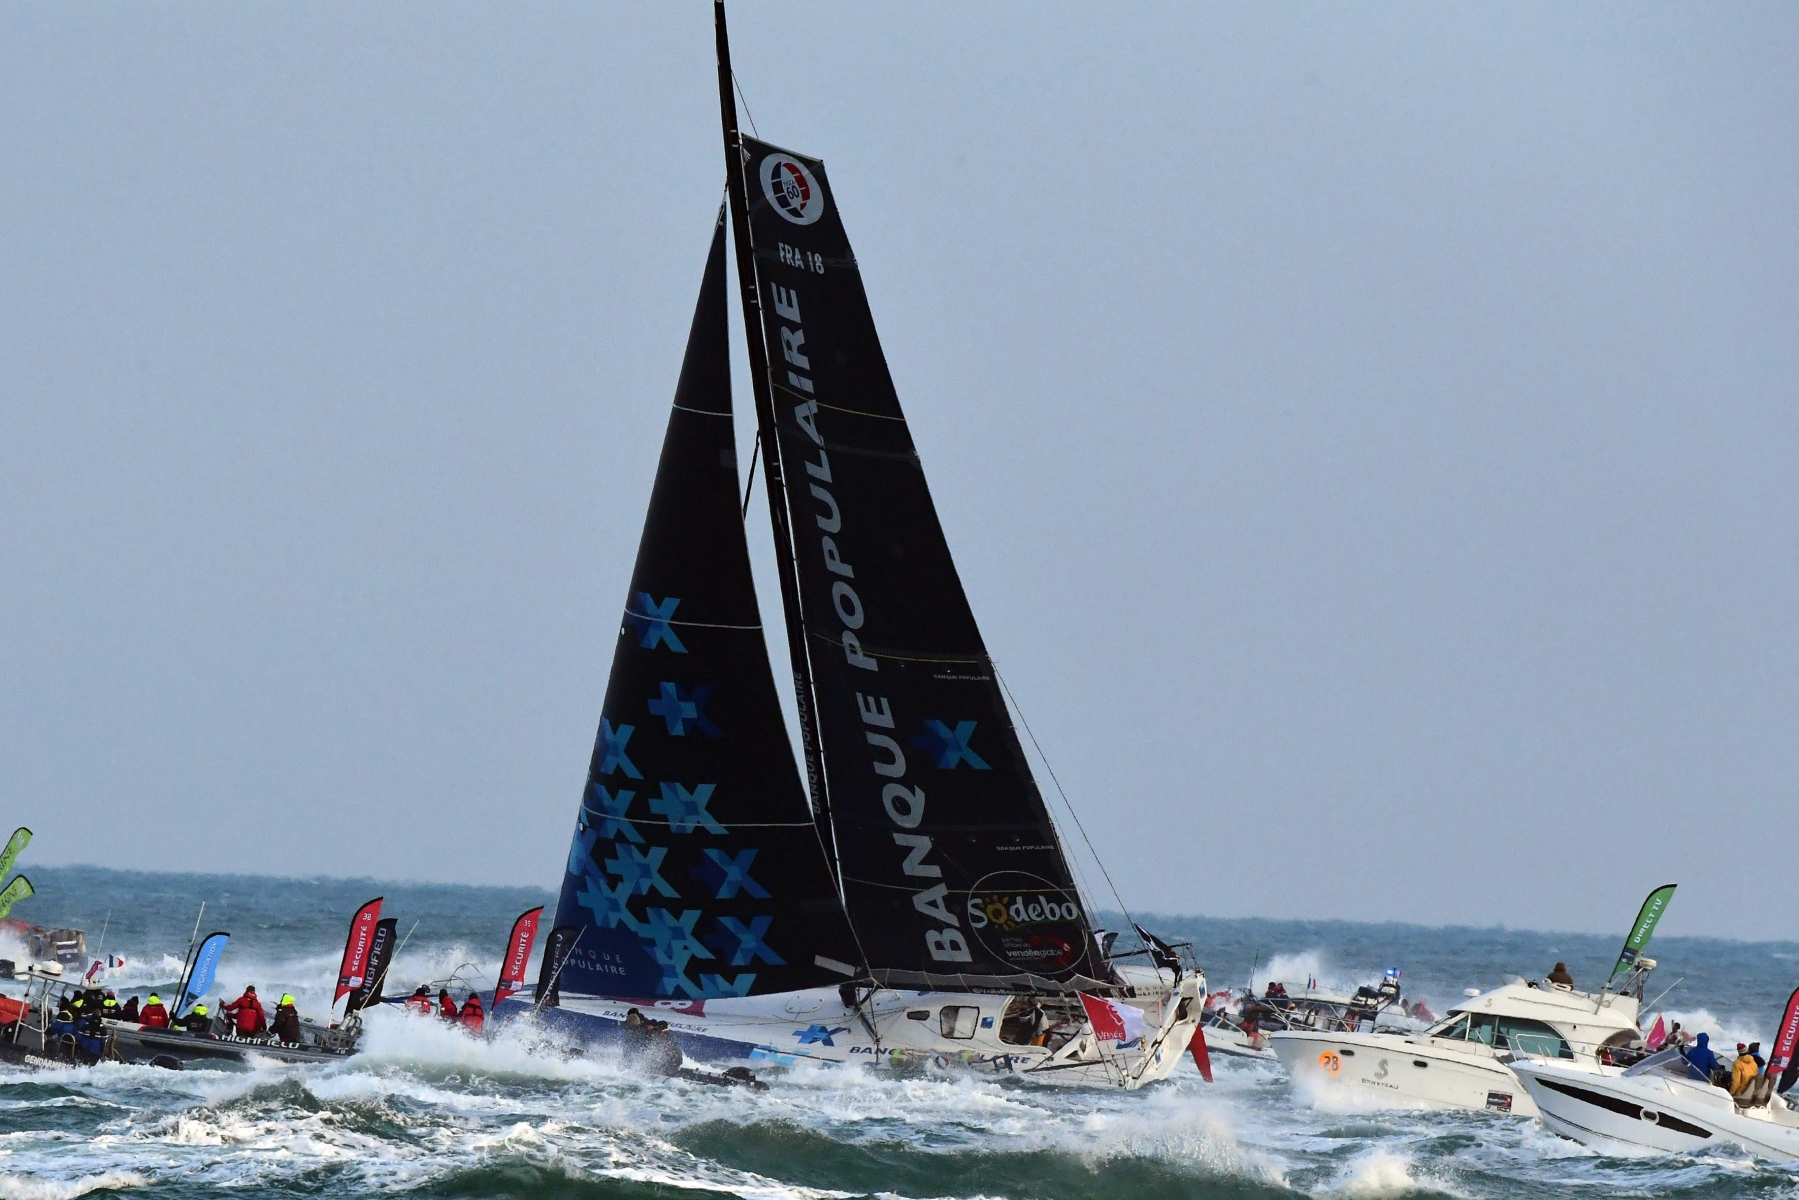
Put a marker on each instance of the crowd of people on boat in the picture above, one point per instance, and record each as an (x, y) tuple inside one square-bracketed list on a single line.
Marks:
[(469, 1017), (86, 1011)]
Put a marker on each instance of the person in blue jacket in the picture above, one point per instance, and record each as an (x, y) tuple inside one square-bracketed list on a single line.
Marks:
[(1701, 1054)]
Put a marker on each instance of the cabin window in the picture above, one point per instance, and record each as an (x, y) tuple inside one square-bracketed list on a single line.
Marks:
[(1455, 1028), (958, 1020), (1532, 1037)]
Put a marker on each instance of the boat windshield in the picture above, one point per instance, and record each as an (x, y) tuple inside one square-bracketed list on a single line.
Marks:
[(1668, 1062), (1518, 1034), (1455, 1028)]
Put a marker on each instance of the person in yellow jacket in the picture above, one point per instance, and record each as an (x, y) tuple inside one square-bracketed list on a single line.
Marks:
[(1743, 1071)]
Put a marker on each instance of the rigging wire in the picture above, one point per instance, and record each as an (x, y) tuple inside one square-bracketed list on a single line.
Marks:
[(746, 105), (751, 476), (1066, 803)]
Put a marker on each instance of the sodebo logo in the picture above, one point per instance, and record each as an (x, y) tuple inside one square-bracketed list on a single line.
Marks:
[(791, 188)]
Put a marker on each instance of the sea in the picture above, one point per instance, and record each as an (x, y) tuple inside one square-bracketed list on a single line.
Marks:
[(427, 1111)]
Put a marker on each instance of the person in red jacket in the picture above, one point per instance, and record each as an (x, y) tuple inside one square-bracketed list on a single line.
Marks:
[(446, 1007), (247, 1013), (153, 1015), (471, 1017), (419, 1002)]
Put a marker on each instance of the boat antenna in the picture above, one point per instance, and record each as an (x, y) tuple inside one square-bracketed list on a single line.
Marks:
[(1664, 992), (388, 965), (1252, 972), (186, 966)]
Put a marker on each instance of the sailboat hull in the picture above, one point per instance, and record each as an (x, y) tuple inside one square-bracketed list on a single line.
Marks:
[(920, 1030)]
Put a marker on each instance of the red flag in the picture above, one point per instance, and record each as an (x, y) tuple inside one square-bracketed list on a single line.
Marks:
[(1202, 1057), (518, 953), (1116, 1023), (1782, 1056), (1658, 1033), (357, 947)]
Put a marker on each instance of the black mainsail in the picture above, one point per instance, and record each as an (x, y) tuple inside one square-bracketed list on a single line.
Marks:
[(696, 869), (946, 856)]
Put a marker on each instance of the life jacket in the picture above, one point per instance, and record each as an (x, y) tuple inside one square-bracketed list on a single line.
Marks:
[(153, 1016), (247, 1014), (471, 1016), (419, 1004), (447, 1009)]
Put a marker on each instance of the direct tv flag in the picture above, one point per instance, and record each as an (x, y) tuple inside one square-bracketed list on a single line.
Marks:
[(1117, 1023), (518, 953), (356, 949), (1640, 933)]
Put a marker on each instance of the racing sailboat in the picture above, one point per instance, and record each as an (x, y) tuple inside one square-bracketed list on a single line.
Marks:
[(911, 901)]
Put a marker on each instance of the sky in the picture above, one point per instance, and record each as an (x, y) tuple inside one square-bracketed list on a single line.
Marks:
[(1366, 434)]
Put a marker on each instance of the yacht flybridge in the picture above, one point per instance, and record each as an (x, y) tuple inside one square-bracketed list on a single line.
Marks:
[(911, 902), (1465, 1060)]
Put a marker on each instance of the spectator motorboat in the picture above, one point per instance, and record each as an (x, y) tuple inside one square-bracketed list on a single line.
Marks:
[(1662, 1103), (1464, 1061)]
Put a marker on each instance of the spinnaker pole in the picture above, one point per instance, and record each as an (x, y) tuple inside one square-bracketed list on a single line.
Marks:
[(805, 696)]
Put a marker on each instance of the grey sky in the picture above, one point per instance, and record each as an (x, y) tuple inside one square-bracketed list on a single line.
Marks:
[(1367, 433)]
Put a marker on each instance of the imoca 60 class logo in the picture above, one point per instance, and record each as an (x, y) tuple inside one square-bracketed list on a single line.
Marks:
[(791, 188)]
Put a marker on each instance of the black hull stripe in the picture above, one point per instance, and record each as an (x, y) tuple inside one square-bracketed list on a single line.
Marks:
[(1623, 1108)]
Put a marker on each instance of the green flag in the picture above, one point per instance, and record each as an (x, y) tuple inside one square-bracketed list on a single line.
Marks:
[(21, 838), (1652, 911), (14, 892)]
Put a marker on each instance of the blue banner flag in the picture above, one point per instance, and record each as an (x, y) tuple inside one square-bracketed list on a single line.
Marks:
[(206, 966)]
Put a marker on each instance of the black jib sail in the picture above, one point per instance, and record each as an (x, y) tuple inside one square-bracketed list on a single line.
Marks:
[(949, 863), (696, 870)]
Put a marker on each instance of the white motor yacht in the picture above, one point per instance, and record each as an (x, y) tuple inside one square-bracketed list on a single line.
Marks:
[(1662, 1104), (1463, 1060)]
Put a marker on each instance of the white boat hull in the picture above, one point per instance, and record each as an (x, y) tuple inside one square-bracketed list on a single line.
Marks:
[(1383, 1070), (890, 1028), (1608, 1110)]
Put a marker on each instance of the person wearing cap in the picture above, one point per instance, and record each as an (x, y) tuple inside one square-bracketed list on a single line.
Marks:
[(153, 1015), (1743, 1071), (197, 1022), (246, 1012), (287, 1020)]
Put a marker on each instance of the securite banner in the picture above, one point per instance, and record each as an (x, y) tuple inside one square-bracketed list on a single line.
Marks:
[(518, 953), (1782, 1056), (356, 949)]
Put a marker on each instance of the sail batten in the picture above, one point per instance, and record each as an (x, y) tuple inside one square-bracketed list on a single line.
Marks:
[(948, 862)]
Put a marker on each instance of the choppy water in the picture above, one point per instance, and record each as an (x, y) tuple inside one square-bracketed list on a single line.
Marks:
[(429, 1112)]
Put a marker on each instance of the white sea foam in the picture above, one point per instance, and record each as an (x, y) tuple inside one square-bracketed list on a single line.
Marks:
[(1383, 1172), (26, 1187)]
